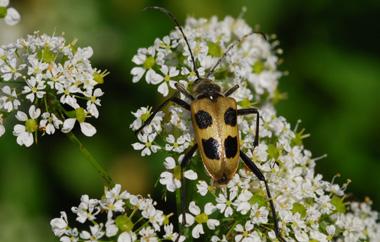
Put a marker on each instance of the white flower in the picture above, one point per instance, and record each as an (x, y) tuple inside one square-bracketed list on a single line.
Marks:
[(60, 225), (179, 118), (4, 3), (142, 114), (165, 79), (87, 209), (96, 233), (24, 133), (12, 17), (10, 70), (224, 202), (146, 146), (145, 58), (9, 101), (171, 235), (111, 228), (154, 215), (246, 233), (242, 203), (179, 145), (114, 200), (202, 188), (148, 235), (49, 123), (330, 230), (259, 215), (36, 67), (172, 178), (126, 237), (68, 91), (35, 87), (55, 75), (199, 217), (86, 128), (93, 101)]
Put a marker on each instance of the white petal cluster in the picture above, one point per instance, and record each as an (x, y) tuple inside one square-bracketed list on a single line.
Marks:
[(51, 80), (118, 216), (308, 207), (11, 15)]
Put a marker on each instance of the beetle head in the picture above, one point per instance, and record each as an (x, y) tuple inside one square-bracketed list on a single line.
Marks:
[(206, 88)]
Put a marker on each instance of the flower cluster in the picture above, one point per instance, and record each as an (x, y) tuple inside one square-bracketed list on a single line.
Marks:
[(10, 15), (48, 85), (308, 207), (118, 216)]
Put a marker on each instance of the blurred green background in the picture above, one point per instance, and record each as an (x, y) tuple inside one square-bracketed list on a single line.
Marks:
[(331, 50)]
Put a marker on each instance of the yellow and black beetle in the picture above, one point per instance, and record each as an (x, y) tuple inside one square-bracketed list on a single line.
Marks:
[(214, 119)]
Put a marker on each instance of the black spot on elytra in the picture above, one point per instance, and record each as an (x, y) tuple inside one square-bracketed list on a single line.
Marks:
[(210, 147), (203, 119), (230, 117), (231, 146)]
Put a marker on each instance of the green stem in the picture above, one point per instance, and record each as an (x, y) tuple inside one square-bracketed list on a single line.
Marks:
[(94, 163), (231, 229), (178, 206)]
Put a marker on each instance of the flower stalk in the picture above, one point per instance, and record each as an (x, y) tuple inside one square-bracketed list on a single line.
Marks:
[(90, 158)]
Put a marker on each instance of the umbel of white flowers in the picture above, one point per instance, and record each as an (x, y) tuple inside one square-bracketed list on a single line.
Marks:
[(11, 15), (309, 208), (48, 84)]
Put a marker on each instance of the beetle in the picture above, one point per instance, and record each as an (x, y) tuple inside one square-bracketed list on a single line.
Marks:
[(214, 120)]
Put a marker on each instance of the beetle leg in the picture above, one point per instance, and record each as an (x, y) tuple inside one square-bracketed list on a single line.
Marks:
[(252, 111), (174, 99), (231, 90), (251, 165), (184, 163)]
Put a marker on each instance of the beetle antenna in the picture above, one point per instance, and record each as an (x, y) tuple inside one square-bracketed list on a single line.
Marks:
[(172, 17), (229, 48)]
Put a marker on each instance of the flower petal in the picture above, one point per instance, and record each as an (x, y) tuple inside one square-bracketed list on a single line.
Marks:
[(191, 175), (197, 231), (169, 163), (87, 129), (194, 209), (68, 125), (13, 17)]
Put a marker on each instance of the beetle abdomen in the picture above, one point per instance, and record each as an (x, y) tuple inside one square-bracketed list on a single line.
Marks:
[(216, 132)]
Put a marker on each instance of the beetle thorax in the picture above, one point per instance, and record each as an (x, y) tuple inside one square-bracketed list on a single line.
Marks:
[(206, 88)]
